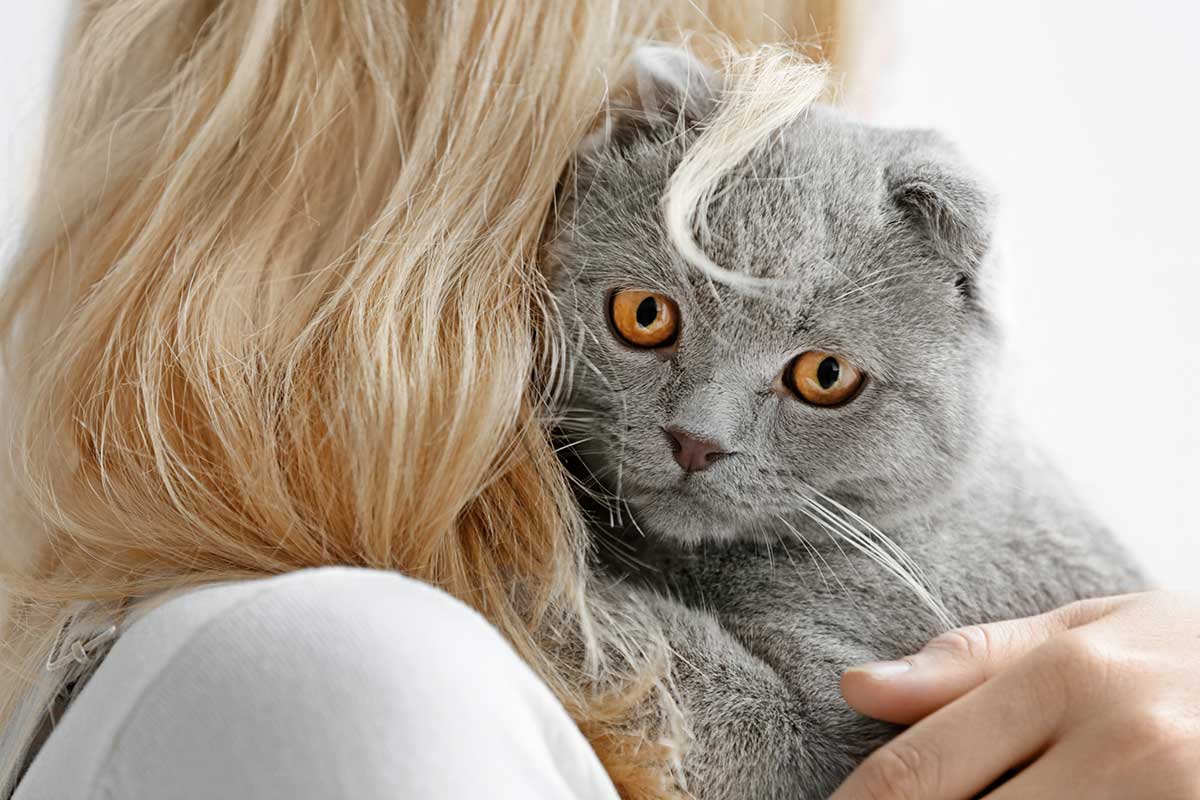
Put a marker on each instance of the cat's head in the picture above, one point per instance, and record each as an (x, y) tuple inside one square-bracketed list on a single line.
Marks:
[(856, 370)]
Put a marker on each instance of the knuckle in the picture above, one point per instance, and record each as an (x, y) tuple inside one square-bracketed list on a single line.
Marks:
[(1072, 670), (1180, 768), (1160, 742), (1157, 730), (1076, 652), (900, 771), (1083, 611), (973, 642)]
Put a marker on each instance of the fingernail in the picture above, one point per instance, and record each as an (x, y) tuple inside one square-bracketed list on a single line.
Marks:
[(882, 670)]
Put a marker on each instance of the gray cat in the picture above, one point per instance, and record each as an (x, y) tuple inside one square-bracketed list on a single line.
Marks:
[(755, 444)]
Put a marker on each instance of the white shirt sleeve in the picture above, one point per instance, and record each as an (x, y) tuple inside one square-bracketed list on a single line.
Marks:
[(331, 683)]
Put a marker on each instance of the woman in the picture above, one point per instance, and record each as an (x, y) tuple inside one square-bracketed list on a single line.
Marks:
[(276, 310), (275, 313)]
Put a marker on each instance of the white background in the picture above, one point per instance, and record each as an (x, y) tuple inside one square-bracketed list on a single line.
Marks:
[(1084, 114)]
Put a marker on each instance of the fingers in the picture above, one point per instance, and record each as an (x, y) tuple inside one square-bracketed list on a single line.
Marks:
[(948, 667), (961, 749), (954, 663), (1097, 699), (1095, 763)]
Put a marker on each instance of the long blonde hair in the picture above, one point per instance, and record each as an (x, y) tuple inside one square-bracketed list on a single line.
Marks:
[(278, 307)]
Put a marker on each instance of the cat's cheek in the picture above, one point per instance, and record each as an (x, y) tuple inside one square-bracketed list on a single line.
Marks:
[(820, 441)]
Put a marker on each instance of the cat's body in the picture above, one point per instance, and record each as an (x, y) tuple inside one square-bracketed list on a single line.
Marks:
[(763, 634), (748, 499)]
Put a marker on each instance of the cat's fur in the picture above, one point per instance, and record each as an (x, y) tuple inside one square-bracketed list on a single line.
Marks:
[(878, 241)]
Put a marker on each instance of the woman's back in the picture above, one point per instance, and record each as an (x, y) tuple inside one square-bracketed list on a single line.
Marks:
[(322, 683)]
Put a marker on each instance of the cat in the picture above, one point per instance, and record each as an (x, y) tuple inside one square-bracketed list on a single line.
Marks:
[(809, 472)]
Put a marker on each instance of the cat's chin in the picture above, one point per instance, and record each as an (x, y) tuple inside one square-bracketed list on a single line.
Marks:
[(691, 527)]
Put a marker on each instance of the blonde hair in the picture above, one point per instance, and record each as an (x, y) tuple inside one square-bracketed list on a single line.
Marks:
[(278, 306)]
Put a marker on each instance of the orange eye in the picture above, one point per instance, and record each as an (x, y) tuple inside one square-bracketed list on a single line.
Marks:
[(644, 319), (823, 379)]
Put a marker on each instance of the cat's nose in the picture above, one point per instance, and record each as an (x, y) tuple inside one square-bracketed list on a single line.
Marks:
[(691, 452)]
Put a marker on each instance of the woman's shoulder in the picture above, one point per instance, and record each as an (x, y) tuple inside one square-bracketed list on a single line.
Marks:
[(327, 600), (308, 662)]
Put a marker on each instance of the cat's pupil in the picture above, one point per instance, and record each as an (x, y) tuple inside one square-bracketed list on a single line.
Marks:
[(827, 372), (647, 312)]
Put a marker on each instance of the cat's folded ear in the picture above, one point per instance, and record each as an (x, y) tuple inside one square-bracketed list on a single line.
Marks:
[(946, 202), (666, 89)]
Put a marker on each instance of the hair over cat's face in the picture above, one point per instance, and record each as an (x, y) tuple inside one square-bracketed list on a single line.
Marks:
[(872, 240)]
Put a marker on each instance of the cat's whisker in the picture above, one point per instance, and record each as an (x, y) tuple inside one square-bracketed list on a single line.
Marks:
[(820, 572), (573, 445), (814, 551), (836, 542), (633, 518), (878, 534), (866, 543), (767, 541), (830, 528), (845, 556), (620, 484), (863, 540), (616, 518), (621, 456), (879, 556), (874, 544), (594, 488), (622, 551)]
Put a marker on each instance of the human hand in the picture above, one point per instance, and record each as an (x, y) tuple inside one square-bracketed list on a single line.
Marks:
[(1098, 699)]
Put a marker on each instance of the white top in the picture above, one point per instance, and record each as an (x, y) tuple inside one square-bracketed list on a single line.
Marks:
[(330, 683)]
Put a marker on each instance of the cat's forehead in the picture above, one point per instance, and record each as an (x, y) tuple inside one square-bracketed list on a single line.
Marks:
[(809, 198), (813, 197)]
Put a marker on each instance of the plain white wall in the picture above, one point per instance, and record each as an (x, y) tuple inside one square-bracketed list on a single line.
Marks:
[(29, 37), (1084, 116)]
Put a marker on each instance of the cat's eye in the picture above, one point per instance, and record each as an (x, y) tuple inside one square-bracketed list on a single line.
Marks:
[(823, 379), (644, 319)]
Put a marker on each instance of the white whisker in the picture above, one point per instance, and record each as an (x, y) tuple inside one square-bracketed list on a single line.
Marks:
[(814, 551), (877, 546)]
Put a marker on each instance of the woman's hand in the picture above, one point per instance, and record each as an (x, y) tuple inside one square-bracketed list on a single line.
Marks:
[(1098, 699)]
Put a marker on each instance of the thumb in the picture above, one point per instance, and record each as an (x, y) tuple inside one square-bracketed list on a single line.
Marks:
[(955, 662)]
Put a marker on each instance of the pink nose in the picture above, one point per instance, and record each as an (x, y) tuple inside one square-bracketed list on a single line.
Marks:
[(692, 453)]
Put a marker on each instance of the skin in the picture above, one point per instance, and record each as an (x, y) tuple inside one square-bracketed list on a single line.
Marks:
[(1097, 699)]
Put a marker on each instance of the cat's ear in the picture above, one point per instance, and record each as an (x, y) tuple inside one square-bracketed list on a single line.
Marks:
[(946, 202), (666, 89)]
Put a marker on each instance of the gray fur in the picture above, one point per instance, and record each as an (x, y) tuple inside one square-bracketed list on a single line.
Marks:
[(877, 242)]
